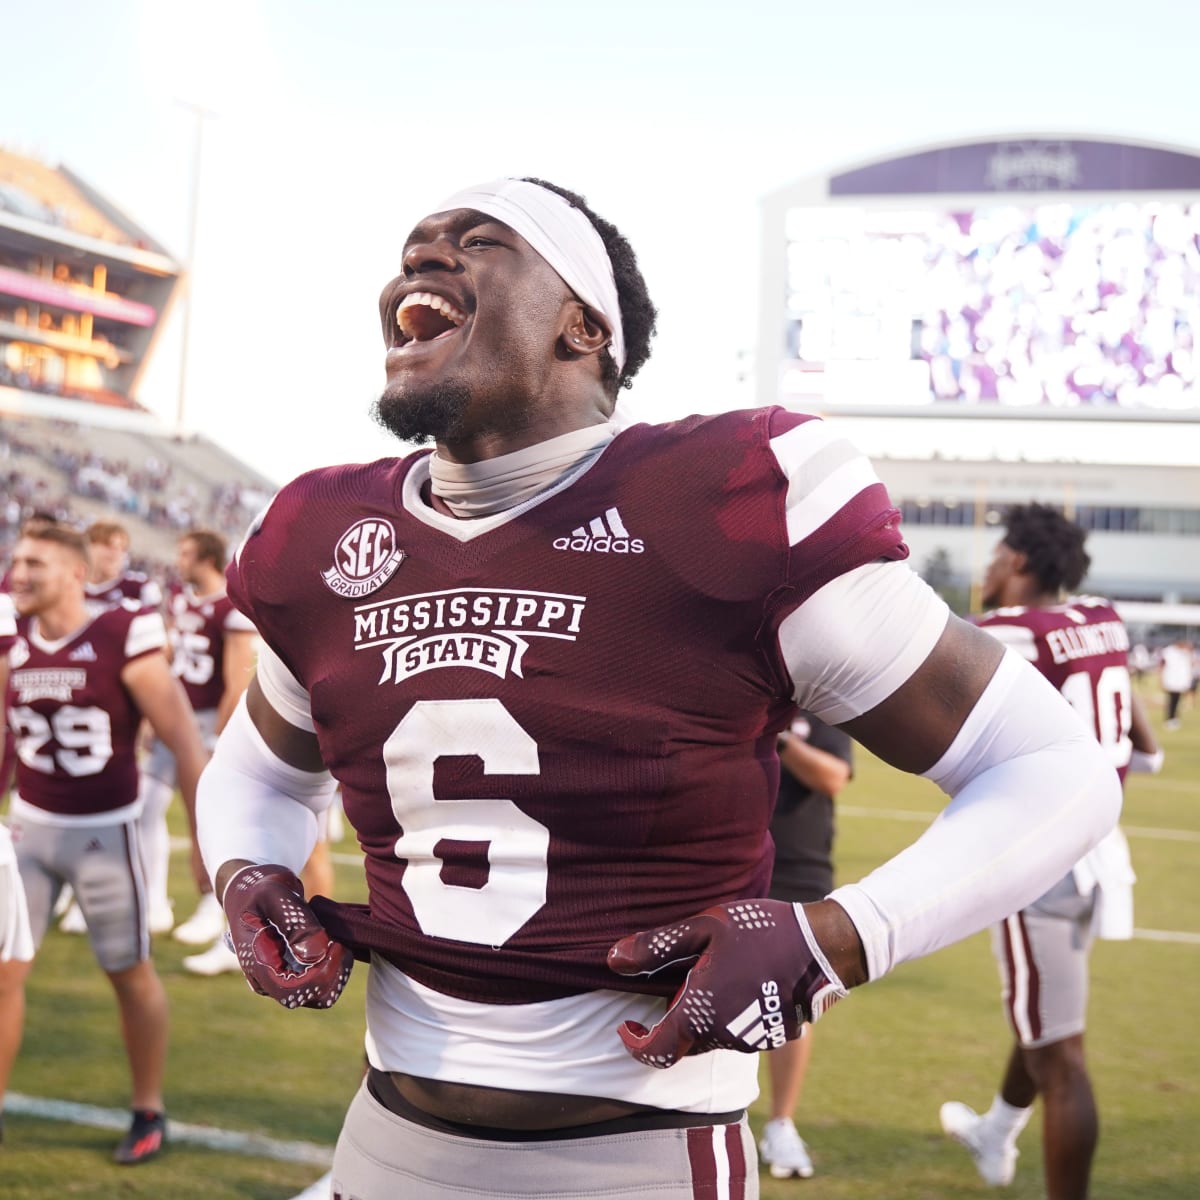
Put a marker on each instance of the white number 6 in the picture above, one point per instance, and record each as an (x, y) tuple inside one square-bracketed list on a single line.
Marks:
[(517, 845)]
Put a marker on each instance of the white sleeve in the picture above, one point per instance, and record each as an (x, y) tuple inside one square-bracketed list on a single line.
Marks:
[(251, 804), (851, 644), (283, 690), (1032, 792)]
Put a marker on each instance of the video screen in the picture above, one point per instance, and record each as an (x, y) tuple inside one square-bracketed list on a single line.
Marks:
[(1059, 305)]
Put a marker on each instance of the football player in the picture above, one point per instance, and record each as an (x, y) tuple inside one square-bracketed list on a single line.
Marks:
[(16, 940), (79, 684), (212, 655), (816, 761), (110, 579), (547, 664), (111, 582), (1081, 646)]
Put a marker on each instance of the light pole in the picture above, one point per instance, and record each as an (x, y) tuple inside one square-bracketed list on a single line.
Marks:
[(200, 115)]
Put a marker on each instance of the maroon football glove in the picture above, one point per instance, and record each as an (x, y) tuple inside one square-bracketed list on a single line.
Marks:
[(758, 976), (282, 948)]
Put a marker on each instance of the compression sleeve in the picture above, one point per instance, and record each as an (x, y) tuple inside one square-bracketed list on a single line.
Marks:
[(283, 690), (852, 643), (1031, 792), (251, 804)]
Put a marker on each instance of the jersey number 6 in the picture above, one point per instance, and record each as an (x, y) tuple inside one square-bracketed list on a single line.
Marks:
[(517, 845)]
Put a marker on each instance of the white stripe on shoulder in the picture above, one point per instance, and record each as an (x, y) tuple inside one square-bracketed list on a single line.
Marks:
[(238, 622), (828, 498), (1018, 637), (824, 471), (8, 616), (146, 632)]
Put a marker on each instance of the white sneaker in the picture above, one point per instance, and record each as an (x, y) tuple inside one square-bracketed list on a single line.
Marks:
[(321, 1190), (72, 920), (995, 1161), (206, 924), (784, 1151), (66, 897), (216, 960), (162, 917)]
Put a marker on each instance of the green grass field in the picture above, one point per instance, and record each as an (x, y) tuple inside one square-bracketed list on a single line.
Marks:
[(884, 1059)]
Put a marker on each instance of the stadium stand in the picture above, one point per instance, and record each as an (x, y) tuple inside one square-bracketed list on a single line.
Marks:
[(154, 484), (83, 289), (83, 293)]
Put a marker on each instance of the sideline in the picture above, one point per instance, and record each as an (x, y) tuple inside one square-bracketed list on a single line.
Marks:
[(910, 814), (256, 1145)]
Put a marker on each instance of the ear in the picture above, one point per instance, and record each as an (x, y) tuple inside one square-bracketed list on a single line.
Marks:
[(586, 331)]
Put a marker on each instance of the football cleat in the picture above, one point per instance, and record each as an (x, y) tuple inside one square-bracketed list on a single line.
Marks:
[(784, 1151), (216, 960), (73, 920), (205, 925), (322, 1189), (162, 917), (146, 1136), (995, 1160)]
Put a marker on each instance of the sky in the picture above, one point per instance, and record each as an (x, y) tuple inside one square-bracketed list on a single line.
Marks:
[(338, 125)]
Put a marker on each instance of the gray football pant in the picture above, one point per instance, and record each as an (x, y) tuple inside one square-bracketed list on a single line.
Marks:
[(382, 1156)]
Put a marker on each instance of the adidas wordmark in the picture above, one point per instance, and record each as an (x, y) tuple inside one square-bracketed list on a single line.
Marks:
[(602, 535)]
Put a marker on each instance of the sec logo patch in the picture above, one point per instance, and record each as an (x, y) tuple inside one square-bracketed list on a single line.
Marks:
[(365, 558)]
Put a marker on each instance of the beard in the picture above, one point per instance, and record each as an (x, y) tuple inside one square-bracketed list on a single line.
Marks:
[(429, 414)]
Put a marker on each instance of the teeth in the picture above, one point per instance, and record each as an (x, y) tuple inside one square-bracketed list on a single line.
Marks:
[(439, 304)]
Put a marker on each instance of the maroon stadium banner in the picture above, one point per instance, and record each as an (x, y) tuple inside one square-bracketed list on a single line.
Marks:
[(44, 291)]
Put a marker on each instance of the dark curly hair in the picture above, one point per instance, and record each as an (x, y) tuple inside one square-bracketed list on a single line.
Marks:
[(638, 314), (1052, 545)]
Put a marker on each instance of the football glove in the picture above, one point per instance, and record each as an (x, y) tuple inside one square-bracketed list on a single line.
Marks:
[(757, 976), (282, 948)]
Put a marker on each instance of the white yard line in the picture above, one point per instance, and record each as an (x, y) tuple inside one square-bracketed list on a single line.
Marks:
[(909, 814), (256, 1145)]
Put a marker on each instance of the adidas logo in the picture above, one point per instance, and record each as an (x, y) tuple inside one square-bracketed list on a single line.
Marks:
[(760, 1024), (92, 846), (603, 535), (84, 653)]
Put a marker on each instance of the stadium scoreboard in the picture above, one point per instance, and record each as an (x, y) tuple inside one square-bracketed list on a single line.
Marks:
[(1024, 276)]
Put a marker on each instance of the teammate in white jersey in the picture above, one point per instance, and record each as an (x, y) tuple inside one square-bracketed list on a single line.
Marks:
[(547, 664)]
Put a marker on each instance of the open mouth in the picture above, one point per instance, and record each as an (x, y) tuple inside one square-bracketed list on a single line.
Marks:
[(424, 317)]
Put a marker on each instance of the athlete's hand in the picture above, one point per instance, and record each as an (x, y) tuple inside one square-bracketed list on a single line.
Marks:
[(758, 975), (282, 948)]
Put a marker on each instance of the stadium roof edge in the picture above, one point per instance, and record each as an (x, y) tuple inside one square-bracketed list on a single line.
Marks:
[(800, 188), (117, 215)]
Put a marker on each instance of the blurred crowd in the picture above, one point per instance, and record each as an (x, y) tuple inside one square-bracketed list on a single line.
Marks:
[(154, 491)]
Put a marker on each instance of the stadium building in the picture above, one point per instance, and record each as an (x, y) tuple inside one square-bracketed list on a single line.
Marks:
[(84, 294), (1004, 320)]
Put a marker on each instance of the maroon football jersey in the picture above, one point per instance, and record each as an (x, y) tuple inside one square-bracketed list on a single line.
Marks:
[(130, 585), (1082, 647), (197, 626), (74, 721), (559, 729)]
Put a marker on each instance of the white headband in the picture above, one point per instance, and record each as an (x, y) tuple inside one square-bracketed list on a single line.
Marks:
[(562, 235)]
